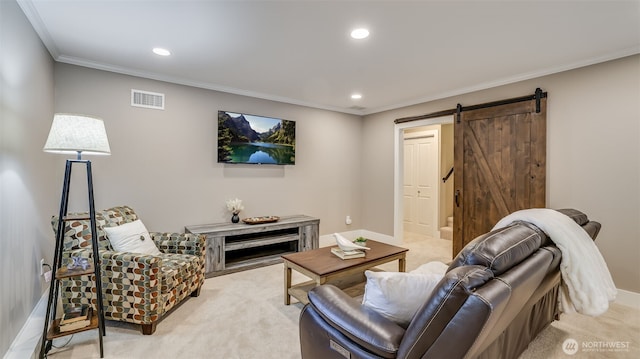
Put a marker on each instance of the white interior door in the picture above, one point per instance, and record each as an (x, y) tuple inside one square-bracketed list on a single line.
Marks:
[(421, 164)]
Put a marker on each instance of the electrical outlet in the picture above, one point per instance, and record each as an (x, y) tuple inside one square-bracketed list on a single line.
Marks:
[(347, 220), (42, 266)]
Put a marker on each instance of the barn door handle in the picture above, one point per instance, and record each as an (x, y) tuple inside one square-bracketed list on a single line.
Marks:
[(456, 196)]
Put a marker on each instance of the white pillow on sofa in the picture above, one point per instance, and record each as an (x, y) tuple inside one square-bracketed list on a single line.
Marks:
[(398, 295), (131, 237)]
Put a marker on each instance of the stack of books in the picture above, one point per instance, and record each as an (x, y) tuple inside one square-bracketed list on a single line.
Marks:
[(348, 254), (75, 318)]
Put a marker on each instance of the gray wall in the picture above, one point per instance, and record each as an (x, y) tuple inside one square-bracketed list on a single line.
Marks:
[(593, 154), (29, 189), (164, 163)]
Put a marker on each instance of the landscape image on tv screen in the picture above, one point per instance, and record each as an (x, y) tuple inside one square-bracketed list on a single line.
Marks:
[(244, 138)]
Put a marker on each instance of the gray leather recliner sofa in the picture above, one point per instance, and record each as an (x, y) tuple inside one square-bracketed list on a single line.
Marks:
[(499, 292)]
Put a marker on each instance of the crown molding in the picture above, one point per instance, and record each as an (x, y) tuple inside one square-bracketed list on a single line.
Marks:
[(204, 85), (36, 22), (510, 80), (34, 18)]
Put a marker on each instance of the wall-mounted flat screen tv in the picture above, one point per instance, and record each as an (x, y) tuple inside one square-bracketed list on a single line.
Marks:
[(244, 138)]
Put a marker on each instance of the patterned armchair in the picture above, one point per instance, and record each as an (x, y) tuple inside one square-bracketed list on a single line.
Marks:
[(136, 288)]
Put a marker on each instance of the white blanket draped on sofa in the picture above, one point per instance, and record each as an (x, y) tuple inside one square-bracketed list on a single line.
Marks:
[(584, 272)]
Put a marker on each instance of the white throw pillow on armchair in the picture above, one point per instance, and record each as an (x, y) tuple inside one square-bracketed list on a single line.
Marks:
[(398, 295), (131, 237)]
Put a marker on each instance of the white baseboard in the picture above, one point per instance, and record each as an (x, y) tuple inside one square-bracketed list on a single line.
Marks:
[(27, 342), (328, 239), (629, 299), (624, 297)]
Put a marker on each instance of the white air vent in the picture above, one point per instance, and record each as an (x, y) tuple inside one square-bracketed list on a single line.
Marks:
[(147, 99)]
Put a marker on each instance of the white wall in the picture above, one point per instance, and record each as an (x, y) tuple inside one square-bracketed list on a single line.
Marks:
[(29, 191), (593, 154), (164, 165)]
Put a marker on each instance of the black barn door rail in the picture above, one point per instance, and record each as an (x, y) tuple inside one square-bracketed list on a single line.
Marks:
[(538, 95)]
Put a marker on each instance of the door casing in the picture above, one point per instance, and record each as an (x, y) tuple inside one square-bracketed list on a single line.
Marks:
[(399, 128)]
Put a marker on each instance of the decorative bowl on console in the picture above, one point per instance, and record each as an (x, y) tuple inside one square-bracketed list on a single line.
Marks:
[(260, 220)]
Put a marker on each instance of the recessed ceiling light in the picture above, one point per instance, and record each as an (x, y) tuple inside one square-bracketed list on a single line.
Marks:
[(360, 33), (356, 96), (160, 51)]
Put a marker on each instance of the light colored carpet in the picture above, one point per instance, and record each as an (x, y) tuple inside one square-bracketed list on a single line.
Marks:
[(615, 334), (243, 316)]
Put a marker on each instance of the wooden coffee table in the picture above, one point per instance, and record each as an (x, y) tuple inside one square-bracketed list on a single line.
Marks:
[(324, 267)]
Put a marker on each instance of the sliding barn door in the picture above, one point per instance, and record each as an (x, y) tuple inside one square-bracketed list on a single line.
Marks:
[(500, 166)]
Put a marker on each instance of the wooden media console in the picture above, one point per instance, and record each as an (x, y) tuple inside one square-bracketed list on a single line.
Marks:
[(232, 247)]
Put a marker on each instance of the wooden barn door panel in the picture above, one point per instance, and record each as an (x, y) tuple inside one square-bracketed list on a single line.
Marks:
[(500, 161)]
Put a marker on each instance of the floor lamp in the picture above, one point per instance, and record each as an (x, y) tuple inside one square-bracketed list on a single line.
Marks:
[(76, 134)]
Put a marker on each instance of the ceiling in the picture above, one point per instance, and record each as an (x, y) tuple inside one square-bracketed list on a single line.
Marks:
[(300, 52)]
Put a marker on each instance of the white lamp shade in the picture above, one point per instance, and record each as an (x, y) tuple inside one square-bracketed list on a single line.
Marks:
[(77, 133)]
